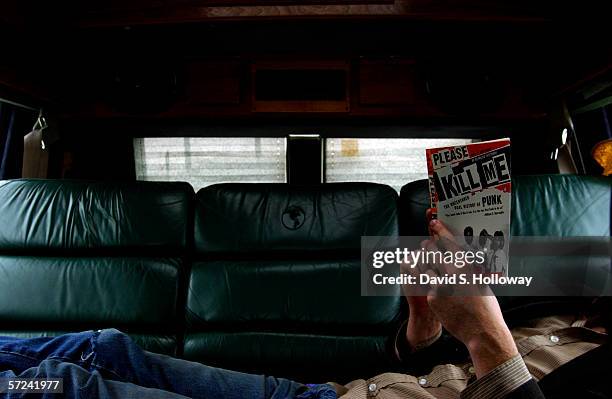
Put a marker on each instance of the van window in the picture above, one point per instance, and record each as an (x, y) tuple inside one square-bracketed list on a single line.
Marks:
[(203, 161), (389, 161)]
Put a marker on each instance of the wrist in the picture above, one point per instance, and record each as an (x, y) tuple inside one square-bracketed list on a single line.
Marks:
[(422, 330), (490, 349)]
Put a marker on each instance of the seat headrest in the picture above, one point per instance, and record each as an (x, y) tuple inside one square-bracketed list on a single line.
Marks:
[(561, 205), (413, 202), (542, 205), (60, 215), (240, 218)]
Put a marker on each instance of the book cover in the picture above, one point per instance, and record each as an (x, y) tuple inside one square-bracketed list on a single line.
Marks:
[(470, 191)]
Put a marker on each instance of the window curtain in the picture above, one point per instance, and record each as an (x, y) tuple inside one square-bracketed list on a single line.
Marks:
[(15, 123)]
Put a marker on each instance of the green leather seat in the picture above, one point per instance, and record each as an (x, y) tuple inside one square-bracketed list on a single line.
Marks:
[(81, 255), (561, 205), (255, 277), (275, 284), (543, 206), (564, 206)]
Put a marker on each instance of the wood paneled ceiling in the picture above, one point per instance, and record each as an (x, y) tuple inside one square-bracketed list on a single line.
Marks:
[(53, 38), (131, 12)]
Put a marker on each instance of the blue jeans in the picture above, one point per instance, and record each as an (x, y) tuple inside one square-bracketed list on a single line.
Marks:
[(107, 364)]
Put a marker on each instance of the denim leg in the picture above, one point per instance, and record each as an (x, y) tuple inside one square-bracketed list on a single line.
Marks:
[(79, 383), (115, 353), (19, 354), (110, 356)]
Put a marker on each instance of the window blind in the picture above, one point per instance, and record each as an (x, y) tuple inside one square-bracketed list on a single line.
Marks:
[(389, 161), (203, 161)]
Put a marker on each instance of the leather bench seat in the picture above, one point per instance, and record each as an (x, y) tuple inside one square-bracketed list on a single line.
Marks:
[(255, 277), (275, 282), (81, 255), (561, 205), (543, 206)]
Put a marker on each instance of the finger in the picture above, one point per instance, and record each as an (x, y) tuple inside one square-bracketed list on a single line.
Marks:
[(445, 237), (438, 262), (430, 255), (438, 228), (434, 257), (430, 245), (422, 256), (430, 214), (432, 273), (416, 289), (422, 265), (412, 267)]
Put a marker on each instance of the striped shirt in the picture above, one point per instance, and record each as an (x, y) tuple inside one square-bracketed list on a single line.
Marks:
[(543, 345)]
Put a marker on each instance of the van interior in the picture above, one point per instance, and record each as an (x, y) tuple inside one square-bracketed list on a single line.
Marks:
[(200, 173)]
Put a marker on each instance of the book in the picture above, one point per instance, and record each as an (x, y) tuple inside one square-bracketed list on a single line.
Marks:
[(470, 191)]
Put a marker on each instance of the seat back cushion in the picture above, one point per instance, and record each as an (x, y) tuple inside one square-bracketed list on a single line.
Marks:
[(275, 286), (561, 205), (542, 205), (80, 255)]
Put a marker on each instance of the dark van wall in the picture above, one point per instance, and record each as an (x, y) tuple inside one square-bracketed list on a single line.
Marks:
[(105, 150), (93, 155), (492, 66), (391, 79)]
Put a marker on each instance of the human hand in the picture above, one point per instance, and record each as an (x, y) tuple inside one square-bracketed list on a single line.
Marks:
[(422, 323), (476, 321)]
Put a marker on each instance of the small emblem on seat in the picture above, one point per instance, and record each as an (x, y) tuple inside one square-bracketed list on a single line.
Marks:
[(293, 217)]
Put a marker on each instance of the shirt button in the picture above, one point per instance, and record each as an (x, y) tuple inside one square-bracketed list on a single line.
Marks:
[(422, 381), (471, 370), (554, 339), (372, 387)]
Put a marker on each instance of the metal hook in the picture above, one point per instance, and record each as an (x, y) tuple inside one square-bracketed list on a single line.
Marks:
[(41, 122)]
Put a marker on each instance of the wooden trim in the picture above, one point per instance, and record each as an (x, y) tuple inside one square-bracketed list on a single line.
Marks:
[(260, 3), (299, 64), (301, 106), (402, 9)]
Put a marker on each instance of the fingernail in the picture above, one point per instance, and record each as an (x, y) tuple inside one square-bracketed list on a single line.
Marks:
[(433, 222)]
